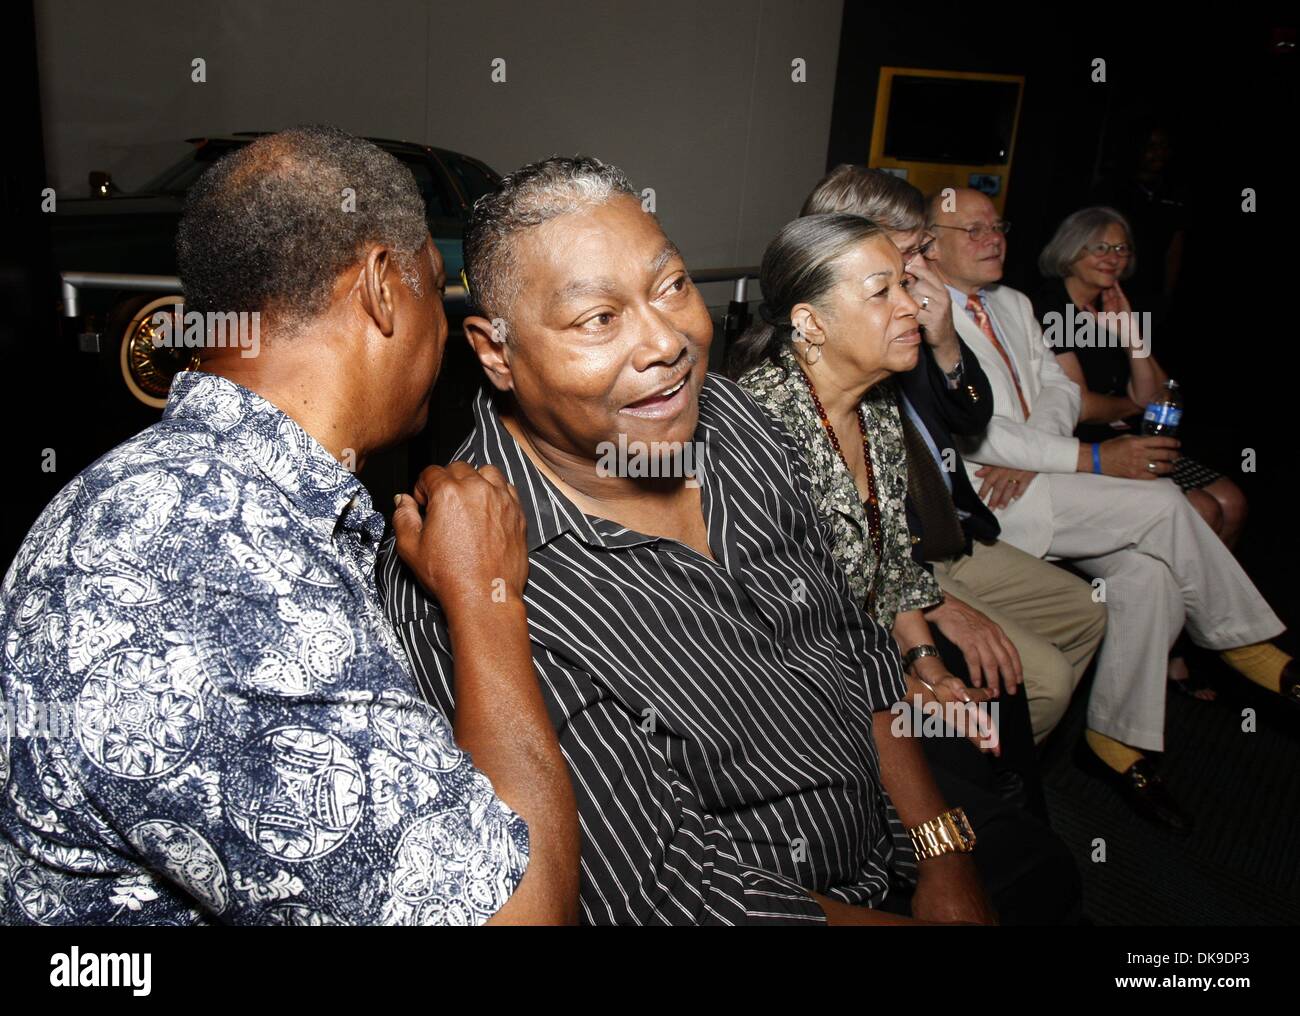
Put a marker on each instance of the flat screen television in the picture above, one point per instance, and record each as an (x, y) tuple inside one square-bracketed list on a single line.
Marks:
[(958, 120)]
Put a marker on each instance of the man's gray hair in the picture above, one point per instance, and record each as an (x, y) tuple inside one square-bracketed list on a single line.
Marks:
[(1080, 229), (528, 197), (890, 202)]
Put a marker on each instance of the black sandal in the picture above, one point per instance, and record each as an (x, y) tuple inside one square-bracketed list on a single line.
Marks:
[(1191, 684), (1184, 649)]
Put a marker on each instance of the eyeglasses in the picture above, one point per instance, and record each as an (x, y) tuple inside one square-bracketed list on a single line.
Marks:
[(980, 230), (921, 249), (1102, 249)]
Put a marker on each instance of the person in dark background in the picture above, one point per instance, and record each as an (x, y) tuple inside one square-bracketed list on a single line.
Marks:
[(1083, 264), (1161, 565), (1156, 212)]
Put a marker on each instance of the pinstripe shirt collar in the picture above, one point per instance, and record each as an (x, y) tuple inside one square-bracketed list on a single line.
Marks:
[(549, 513)]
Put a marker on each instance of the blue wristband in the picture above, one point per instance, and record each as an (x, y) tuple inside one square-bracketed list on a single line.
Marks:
[(1096, 458)]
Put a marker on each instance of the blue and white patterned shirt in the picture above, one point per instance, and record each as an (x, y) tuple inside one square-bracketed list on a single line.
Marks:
[(207, 716)]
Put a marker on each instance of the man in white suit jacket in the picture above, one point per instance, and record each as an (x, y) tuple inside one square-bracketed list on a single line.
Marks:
[(1107, 508)]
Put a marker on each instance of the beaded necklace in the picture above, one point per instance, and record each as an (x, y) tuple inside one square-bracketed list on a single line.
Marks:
[(873, 501)]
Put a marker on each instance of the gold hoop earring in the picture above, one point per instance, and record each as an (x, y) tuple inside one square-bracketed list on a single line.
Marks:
[(813, 354)]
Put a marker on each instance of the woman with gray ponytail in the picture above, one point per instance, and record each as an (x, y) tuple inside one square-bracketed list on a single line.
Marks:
[(836, 321), (799, 266)]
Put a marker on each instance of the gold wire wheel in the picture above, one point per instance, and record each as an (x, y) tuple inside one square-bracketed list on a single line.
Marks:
[(148, 369)]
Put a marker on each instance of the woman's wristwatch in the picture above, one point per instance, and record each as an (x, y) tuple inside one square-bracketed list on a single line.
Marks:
[(946, 833), (916, 652)]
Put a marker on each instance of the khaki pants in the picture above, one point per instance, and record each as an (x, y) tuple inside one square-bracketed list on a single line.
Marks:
[(1045, 611)]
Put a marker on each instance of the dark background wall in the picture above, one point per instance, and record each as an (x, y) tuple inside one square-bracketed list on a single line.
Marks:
[(1221, 84), (38, 402)]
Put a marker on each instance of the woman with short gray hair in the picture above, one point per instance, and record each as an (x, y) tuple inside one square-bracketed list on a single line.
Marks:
[(1076, 234), (1105, 348)]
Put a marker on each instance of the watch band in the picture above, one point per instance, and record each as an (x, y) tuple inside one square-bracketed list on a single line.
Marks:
[(947, 833), (954, 376), (916, 652)]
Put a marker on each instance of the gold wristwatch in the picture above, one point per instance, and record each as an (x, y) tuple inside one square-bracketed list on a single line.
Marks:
[(948, 833)]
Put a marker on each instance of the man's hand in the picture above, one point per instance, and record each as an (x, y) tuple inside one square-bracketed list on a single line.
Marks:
[(1139, 458), (948, 890), (1002, 485), (472, 539), (991, 658), (470, 551), (934, 313), (843, 914), (840, 914)]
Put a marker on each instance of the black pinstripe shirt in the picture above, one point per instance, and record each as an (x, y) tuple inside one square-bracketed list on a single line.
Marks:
[(716, 715)]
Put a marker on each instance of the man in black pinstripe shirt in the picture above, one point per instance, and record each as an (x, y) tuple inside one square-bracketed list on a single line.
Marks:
[(722, 702)]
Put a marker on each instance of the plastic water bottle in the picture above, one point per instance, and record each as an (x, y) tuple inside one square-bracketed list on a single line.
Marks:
[(1164, 412)]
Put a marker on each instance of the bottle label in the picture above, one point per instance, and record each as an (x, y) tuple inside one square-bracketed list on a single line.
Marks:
[(1162, 414)]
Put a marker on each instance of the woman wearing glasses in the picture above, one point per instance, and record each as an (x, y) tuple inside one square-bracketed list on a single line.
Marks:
[(1084, 264)]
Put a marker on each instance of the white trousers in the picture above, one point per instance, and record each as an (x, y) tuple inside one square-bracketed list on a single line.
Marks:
[(1164, 568)]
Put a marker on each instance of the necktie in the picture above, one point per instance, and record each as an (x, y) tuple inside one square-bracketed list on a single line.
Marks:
[(976, 307), (941, 536)]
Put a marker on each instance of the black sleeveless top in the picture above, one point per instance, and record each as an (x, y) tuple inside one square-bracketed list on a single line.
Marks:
[(1105, 368)]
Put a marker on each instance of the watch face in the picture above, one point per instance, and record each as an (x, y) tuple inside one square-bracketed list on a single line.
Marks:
[(963, 827)]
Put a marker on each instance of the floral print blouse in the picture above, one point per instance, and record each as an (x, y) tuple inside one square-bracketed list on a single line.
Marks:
[(895, 583)]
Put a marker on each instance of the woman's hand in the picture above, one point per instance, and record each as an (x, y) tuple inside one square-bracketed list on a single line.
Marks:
[(934, 313), (944, 689), (1114, 300)]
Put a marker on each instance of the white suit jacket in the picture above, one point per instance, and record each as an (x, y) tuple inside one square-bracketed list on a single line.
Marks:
[(1043, 443)]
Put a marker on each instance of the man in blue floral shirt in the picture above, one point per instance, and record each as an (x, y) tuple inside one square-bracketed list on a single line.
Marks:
[(207, 716)]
